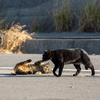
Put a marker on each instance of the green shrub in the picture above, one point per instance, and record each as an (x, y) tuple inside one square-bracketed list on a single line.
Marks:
[(89, 18), (35, 27), (63, 19)]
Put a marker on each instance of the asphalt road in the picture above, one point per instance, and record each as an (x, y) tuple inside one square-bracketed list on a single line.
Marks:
[(47, 86)]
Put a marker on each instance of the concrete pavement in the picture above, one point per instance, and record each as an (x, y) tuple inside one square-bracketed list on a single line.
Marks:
[(66, 35)]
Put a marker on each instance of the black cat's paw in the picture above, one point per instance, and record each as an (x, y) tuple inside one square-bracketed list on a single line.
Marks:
[(93, 74), (74, 74), (56, 75)]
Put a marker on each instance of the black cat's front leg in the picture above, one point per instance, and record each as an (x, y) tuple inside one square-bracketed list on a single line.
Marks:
[(54, 70), (60, 69)]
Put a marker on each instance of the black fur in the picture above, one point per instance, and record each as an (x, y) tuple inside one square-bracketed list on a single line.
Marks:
[(29, 60), (69, 56)]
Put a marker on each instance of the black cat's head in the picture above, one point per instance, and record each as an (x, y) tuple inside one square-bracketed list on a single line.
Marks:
[(46, 55)]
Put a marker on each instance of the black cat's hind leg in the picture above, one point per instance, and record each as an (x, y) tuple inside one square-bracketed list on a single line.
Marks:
[(93, 71), (88, 64), (86, 67), (78, 70)]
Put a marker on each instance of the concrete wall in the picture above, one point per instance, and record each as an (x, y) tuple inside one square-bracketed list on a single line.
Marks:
[(92, 46), (24, 11)]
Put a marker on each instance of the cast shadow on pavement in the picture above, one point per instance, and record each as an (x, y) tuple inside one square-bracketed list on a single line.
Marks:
[(33, 75), (43, 75), (92, 76), (52, 99)]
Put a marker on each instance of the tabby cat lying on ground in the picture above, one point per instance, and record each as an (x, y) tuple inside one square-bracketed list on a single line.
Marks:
[(69, 56), (26, 67)]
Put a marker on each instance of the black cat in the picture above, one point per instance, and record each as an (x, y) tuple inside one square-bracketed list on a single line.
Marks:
[(68, 56)]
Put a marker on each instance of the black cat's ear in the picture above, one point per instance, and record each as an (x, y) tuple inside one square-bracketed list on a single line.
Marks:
[(45, 50), (48, 51)]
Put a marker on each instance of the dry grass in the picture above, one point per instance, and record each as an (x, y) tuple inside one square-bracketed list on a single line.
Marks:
[(89, 18), (3, 26), (14, 39), (63, 18)]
